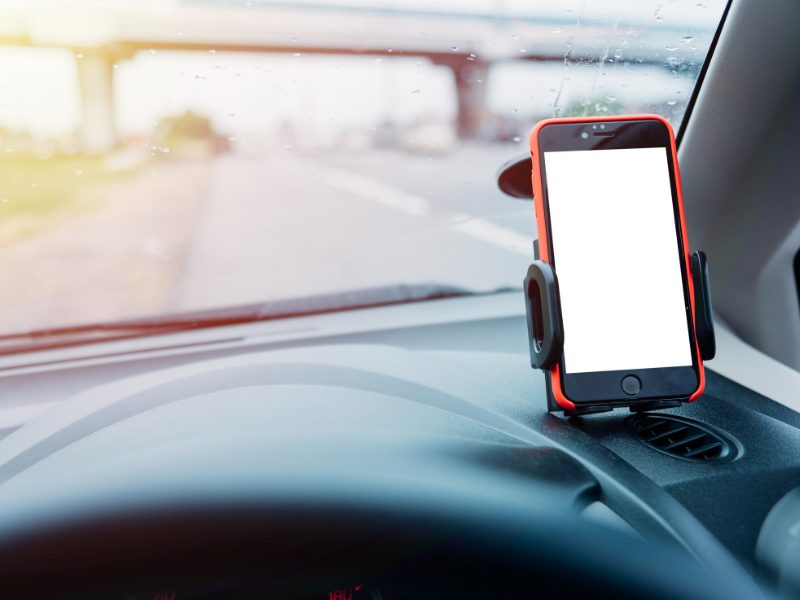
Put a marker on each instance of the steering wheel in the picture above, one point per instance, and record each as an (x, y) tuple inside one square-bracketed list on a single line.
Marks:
[(373, 544), (270, 476)]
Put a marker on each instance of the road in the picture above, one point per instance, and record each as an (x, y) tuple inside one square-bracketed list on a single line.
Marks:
[(283, 226), (243, 228)]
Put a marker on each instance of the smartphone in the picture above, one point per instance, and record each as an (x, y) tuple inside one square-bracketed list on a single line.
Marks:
[(610, 221)]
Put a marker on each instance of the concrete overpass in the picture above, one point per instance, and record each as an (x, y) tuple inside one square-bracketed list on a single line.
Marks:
[(467, 43)]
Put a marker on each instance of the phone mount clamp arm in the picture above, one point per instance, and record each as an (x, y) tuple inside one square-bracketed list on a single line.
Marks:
[(546, 332)]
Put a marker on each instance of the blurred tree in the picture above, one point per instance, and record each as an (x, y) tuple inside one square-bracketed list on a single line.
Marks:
[(594, 107)]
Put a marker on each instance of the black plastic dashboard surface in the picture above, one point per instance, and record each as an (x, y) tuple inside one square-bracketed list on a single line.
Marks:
[(463, 387)]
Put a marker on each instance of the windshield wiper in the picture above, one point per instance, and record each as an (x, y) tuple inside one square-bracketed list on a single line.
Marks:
[(57, 337)]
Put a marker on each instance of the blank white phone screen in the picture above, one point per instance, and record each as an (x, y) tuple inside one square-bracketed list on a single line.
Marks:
[(617, 260)]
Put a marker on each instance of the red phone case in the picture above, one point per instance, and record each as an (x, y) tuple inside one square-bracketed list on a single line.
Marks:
[(538, 202)]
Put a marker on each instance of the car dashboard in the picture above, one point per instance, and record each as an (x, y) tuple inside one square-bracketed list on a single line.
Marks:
[(389, 401)]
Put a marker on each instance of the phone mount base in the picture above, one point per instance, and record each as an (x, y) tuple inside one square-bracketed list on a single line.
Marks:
[(546, 334)]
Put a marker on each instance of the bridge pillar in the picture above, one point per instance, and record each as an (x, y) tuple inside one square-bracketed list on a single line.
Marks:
[(471, 83), (96, 75)]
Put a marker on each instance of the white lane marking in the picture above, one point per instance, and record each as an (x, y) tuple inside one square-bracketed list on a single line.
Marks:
[(411, 204), (370, 189), (486, 231)]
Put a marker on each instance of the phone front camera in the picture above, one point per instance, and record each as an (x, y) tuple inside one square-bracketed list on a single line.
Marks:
[(584, 135)]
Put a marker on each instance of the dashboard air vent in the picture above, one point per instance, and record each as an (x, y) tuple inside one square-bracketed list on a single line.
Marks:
[(682, 438)]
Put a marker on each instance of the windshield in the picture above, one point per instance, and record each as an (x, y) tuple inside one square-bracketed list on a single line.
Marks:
[(161, 157)]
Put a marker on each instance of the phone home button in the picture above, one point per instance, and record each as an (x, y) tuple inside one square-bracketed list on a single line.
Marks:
[(631, 385)]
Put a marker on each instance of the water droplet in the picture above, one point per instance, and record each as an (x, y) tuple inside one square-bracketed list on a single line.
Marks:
[(179, 32), (472, 56), (517, 138), (415, 91), (79, 55), (670, 48), (556, 30), (672, 102), (4, 200), (377, 60), (152, 51), (78, 172), (686, 39), (212, 51), (611, 98), (522, 51), (389, 50), (514, 36), (453, 48), (115, 67), (295, 54)]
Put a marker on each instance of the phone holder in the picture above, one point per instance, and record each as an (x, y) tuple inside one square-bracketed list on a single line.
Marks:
[(546, 332)]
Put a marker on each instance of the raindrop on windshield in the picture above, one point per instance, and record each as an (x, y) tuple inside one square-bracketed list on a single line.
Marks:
[(453, 48), (686, 39), (516, 138)]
